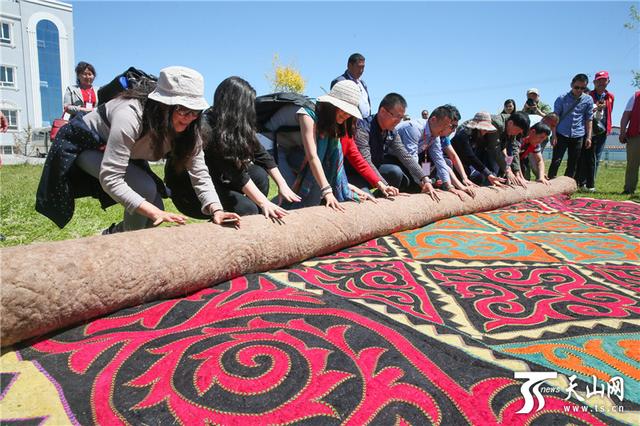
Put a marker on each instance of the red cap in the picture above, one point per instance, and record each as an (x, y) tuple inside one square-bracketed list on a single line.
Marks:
[(601, 74)]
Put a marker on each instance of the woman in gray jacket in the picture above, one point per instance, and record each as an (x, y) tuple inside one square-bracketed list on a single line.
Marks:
[(113, 144), (81, 97)]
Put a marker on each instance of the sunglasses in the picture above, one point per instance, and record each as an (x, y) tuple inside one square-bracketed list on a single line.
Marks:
[(579, 87), (184, 112)]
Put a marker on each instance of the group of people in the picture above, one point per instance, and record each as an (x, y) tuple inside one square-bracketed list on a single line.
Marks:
[(582, 120), (328, 151)]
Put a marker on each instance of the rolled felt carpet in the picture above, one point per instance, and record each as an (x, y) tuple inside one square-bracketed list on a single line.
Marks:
[(48, 286)]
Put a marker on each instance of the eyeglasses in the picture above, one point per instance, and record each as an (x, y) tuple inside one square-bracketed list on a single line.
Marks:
[(397, 117), (184, 112)]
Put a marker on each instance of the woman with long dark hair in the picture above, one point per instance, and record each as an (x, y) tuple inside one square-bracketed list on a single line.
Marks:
[(105, 154), (238, 164)]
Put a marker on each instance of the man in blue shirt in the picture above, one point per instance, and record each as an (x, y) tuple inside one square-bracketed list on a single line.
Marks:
[(575, 110), (355, 69), (421, 147)]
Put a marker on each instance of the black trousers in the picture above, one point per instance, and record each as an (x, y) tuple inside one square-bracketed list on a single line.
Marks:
[(231, 197), (589, 158), (564, 144)]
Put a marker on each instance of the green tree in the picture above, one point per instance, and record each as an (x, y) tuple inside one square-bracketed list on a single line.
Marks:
[(633, 26), (285, 78)]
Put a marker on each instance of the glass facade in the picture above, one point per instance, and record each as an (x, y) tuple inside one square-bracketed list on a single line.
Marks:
[(49, 65)]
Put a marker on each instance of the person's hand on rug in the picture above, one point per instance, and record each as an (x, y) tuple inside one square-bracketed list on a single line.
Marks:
[(362, 195), (388, 190), (427, 188), (271, 210), (521, 180), (513, 179), (220, 217), (458, 192), (496, 181), (286, 193), (543, 179), (469, 190), (468, 182), (332, 202), (169, 217)]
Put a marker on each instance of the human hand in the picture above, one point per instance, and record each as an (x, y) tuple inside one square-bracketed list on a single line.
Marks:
[(622, 137), (468, 182), (554, 140), (162, 216), (457, 192), (388, 190), (587, 143), (544, 180), (271, 210), (427, 188), (363, 195), (333, 202), (521, 180), (288, 194), (220, 217), (496, 181), (470, 191)]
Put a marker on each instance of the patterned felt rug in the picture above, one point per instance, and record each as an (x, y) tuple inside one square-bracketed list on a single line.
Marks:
[(428, 326)]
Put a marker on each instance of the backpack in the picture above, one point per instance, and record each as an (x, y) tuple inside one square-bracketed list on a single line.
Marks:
[(287, 135), (131, 78)]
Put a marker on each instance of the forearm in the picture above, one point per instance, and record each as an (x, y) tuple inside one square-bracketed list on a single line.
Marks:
[(457, 163), (253, 193), (540, 166), (148, 210), (318, 171), (624, 121), (589, 127), (454, 179), (277, 177)]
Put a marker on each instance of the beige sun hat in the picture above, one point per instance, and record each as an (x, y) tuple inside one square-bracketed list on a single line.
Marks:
[(345, 95), (180, 86), (481, 121)]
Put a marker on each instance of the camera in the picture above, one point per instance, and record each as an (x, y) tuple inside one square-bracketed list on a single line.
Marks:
[(531, 102)]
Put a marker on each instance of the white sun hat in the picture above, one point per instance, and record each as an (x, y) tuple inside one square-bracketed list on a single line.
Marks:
[(345, 95), (180, 86)]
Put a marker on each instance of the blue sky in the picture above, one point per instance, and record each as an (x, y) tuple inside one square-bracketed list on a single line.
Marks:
[(471, 54)]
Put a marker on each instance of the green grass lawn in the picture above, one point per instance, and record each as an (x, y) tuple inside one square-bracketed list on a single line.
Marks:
[(21, 224)]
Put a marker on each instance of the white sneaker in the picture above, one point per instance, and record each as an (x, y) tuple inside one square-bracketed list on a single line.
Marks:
[(590, 189)]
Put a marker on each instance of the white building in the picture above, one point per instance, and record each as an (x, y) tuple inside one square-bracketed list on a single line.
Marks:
[(36, 65)]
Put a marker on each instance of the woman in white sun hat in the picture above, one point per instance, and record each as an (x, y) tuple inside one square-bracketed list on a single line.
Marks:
[(319, 174), (112, 144)]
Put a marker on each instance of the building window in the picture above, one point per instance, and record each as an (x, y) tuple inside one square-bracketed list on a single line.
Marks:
[(12, 118), (47, 36), (7, 149), (5, 33), (7, 76)]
